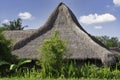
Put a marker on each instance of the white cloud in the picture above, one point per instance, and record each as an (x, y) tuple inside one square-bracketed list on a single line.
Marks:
[(116, 2), (5, 21), (95, 18), (25, 15), (98, 27)]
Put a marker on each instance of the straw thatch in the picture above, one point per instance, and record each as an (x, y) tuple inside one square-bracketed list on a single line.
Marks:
[(80, 44), (17, 35), (115, 50)]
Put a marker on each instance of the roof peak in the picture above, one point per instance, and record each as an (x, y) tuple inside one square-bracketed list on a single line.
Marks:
[(61, 3)]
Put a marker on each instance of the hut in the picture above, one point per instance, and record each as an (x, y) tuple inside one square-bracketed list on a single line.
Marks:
[(80, 44)]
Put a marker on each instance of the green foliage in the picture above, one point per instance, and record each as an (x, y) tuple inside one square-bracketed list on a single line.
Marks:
[(5, 49), (3, 63), (4, 68), (109, 42), (6, 58), (13, 25), (16, 67), (92, 71), (71, 71), (52, 51), (2, 28)]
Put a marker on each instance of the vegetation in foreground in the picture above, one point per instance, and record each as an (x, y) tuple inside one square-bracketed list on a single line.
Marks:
[(52, 52), (52, 65), (72, 72)]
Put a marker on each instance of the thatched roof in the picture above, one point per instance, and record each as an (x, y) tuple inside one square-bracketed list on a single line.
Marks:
[(115, 50), (80, 44), (17, 35)]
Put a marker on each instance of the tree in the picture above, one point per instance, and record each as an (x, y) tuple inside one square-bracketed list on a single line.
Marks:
[(14, 25), (109, 42), (52, 51), (114, 41), (2, 28), (5, 49)]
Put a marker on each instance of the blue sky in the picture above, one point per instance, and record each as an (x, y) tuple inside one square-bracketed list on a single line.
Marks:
[(97, 17)]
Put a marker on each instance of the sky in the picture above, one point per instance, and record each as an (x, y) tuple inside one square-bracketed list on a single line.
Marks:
[(97, 17)]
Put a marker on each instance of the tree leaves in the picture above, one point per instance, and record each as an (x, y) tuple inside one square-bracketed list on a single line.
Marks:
[(52, 51), (13, 25), (109, 42)]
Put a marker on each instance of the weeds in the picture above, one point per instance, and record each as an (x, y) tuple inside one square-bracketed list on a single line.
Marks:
[(70, 70)]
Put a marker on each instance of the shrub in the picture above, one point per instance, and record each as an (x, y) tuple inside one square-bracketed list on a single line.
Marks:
[(52, 51), (6, 58), (5, 49)]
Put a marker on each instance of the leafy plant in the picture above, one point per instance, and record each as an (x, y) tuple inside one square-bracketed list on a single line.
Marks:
[(5, 49), (13, 25), (4, 68), (20, 68), (52, 51), (21, 63), (109, 41)]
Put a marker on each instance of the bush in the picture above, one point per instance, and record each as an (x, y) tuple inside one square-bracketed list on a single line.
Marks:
[(5, 49), (52, 51), (6, 58)]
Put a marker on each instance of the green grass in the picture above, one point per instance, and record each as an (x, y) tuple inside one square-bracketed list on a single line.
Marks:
[(86, 72), (37, 78), (68, 72)]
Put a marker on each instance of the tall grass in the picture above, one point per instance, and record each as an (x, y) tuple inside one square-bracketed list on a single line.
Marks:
[(71, 71)]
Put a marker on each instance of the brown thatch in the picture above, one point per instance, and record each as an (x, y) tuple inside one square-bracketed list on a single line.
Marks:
[(115, 50), (17, 35), (80, 44)]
